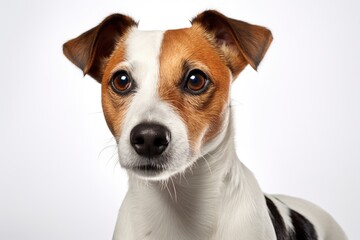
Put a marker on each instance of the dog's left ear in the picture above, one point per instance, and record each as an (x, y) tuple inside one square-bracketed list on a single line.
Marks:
[(238, 40), (90, 50)]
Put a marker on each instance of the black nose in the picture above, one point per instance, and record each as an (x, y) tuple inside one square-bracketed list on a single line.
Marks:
[(149, 139)]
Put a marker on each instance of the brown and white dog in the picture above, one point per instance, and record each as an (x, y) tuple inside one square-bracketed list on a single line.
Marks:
[(166, 100)]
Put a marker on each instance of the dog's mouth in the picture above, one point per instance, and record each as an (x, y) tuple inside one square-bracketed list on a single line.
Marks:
[(148, 170)]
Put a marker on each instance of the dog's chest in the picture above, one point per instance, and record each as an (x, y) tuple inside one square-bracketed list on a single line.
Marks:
[(180, 213), (171, 213)]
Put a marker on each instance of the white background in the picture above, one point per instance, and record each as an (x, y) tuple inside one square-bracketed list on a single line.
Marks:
[(297, 118)]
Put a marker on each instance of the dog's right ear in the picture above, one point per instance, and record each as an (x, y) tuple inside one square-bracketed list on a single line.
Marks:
[(90, 50)]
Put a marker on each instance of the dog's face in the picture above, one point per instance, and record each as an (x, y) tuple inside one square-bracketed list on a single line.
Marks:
[(165, 94)]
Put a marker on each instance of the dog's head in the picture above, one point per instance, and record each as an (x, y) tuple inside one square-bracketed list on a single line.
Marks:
[(165, 94)]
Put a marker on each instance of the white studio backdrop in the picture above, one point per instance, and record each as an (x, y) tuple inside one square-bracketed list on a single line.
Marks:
[(297, 118)]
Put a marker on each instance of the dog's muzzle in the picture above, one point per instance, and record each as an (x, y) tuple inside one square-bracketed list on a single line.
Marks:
[(149, 140), (149, 150)]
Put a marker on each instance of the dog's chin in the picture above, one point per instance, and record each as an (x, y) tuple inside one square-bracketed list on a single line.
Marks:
[(148, 173), (154, 172)]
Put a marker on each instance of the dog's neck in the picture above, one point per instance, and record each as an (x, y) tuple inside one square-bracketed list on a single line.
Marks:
[(198, 199)]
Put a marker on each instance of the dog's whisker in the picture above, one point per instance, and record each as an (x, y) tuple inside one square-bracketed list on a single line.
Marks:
[(169, 191), (106, 148), (116, 161), (191, 169), (207, 163), (174, 188), (183, 174), (113, 159), (161, 185)]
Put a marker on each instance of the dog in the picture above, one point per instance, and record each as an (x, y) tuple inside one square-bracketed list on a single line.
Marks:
[(166, 100)]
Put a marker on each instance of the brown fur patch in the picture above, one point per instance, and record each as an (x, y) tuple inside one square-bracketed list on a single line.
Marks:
[(114, 105), (193, 48)]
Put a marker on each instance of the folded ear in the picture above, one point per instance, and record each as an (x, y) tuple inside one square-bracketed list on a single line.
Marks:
[(236, 38), (90, 50)]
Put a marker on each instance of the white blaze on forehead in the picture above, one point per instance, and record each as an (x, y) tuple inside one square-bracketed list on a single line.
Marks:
[(142, 55)]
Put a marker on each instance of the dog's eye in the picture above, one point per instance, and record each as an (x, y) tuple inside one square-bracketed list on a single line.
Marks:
[(121, 82), (196, 82)]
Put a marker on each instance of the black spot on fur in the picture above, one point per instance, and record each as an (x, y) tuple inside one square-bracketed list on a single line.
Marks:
[(304, 230), (277, 221)]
